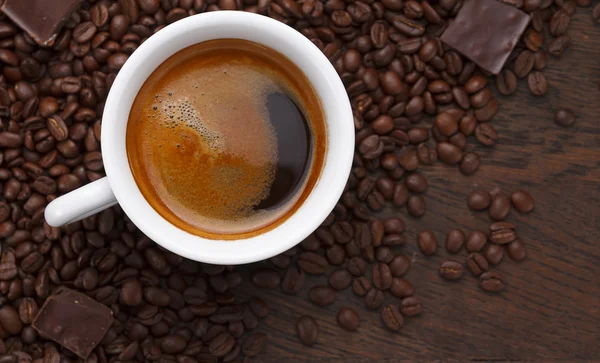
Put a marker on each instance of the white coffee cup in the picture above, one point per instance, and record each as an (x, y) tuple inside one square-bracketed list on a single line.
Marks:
[(120, 187)]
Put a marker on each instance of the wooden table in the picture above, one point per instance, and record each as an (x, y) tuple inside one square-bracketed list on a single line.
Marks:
[(551, 307)]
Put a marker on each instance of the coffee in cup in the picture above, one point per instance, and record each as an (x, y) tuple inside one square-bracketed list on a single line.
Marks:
[(226, 139)]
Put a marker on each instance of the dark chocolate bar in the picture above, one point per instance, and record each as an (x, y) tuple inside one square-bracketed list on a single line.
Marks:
[(486, 31), (73, 320), (41, 19)]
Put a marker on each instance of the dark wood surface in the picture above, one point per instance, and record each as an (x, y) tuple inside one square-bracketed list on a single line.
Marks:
[(551, 307)]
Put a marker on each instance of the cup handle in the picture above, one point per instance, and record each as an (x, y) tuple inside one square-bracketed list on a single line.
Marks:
[(80, 203)]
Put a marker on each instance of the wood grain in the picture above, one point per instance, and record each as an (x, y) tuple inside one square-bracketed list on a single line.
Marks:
[(551, 307)]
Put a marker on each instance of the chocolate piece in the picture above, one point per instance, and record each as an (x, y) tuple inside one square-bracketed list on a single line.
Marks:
[(73, 320), (41, 20), (486, 31)]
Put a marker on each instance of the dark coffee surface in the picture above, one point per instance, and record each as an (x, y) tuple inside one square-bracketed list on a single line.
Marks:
[(218, 140)]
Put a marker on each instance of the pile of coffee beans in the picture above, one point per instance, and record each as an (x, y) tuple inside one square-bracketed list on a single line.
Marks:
[(415, 101)]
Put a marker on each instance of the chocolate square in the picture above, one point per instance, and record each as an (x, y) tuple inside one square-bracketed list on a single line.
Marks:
[(73, 320), (486, 31), (41, 19)]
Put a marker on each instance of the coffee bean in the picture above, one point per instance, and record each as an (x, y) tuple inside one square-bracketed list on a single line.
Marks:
[(131, 293), (502, 232), (307, 330), (491, 281), (506, 82), (401, 288), (400, 195), (477, 264), (538, 85), (559, 23), (427, 242), (596, 14), (416, 206), (374, 298), (392, 317), (399, 265), (371, 147), (340, 279), (382, 276), (476, 241), (156, 296), (321, 295), (266, 278), (479, 200), (449, 153), (9, 320), (446, 123), (411, 306), (517, 250), (451, 270), (494, 254), (149, 6), (348, 319), (558, 45), (416, 183), (361, 286), (475, 84), (523, 64), (357, 266), (293, 281), (455, 240), (564, 118), (486, 134), (469, 163), (312, 263), (500, 207)]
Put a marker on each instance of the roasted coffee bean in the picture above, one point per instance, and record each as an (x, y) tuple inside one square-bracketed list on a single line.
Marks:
[(382, 276), (427, 242), (451, 270), (392, 317), (449, 153), (517, 250), (321, 295), (361, 285), (500, 207), (491, 281), (558, 45), (267, 278), (416, 206), (476, 241), (494, 253), (469, 163), (477, 264), (506, 82), (348, 319), (293, 280), (486, 134), (131, 293), (455, 240), (502, 232), (411, 306), (479, 200), (340, 279), (401, 288), (559, 23), (446, 123), (9, 320), (374, 298), (416, 183), (564, 118), (357, 266), (254, 344), (307, 330), (523, 64), (312, 263), (538, 85), (596, 14)]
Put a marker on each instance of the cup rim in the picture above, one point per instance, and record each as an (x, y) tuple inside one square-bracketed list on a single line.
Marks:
[(322, 198)]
